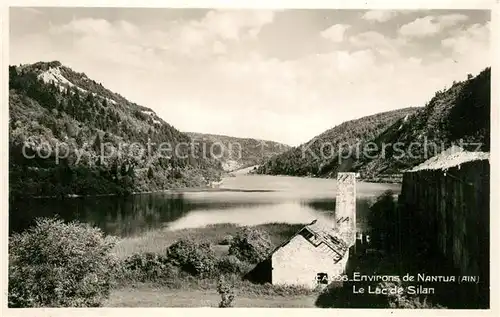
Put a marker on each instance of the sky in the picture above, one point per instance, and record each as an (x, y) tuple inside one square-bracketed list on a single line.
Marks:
[(281, 75)]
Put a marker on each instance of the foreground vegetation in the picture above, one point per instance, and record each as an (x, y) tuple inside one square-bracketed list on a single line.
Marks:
[(54, 264), (57, 264)]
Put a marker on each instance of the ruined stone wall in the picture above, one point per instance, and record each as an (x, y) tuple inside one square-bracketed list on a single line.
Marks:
[(448, 210)]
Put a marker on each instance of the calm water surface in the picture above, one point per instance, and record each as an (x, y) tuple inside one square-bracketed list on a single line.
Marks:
[(244, 200)]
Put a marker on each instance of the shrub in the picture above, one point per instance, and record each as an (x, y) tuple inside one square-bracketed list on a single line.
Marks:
[(229, 265), (226, 291), (251, 245), (148, 261), (195, 258), (54, 264), (147, 266)]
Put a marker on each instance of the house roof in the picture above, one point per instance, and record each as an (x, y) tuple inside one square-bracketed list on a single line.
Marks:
[(323, 237), (451, 157)]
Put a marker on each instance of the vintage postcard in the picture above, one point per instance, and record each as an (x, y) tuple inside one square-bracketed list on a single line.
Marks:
[(249, 157)]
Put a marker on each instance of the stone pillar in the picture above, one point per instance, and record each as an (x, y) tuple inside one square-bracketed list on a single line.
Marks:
[(345, 209)]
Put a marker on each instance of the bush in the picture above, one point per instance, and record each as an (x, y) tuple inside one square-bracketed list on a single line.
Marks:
[(226, 291), (230, 265), (54, 264), (147, 266), (148, 261), (251, 245), (195, 258)]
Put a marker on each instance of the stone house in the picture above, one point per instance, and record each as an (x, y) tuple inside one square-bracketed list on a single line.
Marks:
[(311, 258), (318, 252)]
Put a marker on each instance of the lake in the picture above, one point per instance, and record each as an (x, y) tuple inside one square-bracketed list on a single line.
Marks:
[(243, 200)]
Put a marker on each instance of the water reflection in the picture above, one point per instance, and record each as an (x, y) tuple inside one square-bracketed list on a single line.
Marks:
[(135, 215), (328, 206), (290, 212), (120, 216)]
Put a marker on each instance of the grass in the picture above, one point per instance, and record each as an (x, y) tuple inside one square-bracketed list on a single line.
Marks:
[(186, 282), (151, 296), (159, 240), (189, 291)]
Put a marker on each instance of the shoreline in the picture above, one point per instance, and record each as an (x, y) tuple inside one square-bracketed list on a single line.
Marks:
[(373, 180), (165, 191), (208, 188)]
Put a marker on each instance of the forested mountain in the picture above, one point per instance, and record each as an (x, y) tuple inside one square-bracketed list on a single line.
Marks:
[(237, 153), (319, 156), (106, 143), (388, 143), (71, 136), (459, 115)]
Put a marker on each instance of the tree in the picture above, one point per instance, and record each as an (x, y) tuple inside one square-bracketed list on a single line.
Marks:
[(57, 264), (131, 170), (71, 129), (107, 138), (114, 169), (127, 185), (89, 99), (195, 258), (76, 94), (97, 144), (71, 108), (226, 292), (150, 173), (251, 245), (80, 138), (124, 169)]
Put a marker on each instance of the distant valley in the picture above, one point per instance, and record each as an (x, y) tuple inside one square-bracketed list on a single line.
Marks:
[(238, 153)]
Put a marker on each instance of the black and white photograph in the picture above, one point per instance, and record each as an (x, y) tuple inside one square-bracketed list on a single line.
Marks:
[(248, 157)]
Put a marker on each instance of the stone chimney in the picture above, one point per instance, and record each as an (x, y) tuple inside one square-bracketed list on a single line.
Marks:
[(345, 207)]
